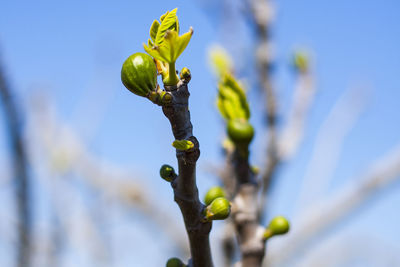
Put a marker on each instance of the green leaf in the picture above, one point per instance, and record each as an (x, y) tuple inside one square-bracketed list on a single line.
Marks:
[(154, 29), (168, 23), (182, 144), (171, 48), (150, 43), (163, 16)]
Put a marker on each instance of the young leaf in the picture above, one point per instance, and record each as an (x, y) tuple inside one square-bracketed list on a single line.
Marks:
[(171, 48), (182, 144), (168, 23), (154, 29)]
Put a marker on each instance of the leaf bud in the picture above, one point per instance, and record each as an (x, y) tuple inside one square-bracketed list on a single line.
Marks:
[(175, 262), (213, 193), (219, 209), (277, 226), (240, 131), (185, 74), (139, 74), (183, 145), (167, 173)]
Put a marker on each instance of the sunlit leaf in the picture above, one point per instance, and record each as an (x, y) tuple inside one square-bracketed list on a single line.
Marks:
[(168, 23), (154, 29)]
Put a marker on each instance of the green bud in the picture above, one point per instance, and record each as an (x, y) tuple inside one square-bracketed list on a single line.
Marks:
[(167, 98), (183, 145), (185, 74), (301, 61), (219, 209), (213, 193), (277, 226), (240, 131), (167, 172), (139, 74), (175, 262)]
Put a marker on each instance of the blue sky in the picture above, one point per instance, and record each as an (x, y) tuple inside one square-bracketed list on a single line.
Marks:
[(73, 51)]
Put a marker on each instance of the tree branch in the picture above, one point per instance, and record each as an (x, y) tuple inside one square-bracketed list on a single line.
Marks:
[(328, 213), (13, 119), (185, 189)]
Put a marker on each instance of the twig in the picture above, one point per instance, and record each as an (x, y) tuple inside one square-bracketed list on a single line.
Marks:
[(185, 188), (13, 119), (293, 131), (261, 17), (111, 180)]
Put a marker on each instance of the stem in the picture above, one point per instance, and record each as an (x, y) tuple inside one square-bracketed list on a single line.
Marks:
[(245, 215), (171, 79), (185, 189)]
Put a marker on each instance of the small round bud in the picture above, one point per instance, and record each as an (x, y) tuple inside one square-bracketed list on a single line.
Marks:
[(139, 74), (219, 209), (167, 173), (167, 99), (185, 74), (240, 131), (174, 262), (213, 193), (277, 226)]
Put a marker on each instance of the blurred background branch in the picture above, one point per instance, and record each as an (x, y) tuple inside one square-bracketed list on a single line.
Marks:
[(13, 117)]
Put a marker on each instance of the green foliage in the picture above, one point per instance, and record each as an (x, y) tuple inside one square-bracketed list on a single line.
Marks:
[(139, 74), (279, 225), (213, 193), (182, 144), (219, 209), (220, 61), (232, 102), (165, 45)]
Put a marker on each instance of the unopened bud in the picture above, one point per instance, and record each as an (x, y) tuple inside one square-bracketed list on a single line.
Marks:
[(213, 193)]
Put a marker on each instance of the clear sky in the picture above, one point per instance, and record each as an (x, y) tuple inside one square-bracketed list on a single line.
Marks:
[(74, 50)]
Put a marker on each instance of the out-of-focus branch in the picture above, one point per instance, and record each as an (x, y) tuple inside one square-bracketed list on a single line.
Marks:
[(71, 155), (262, 11), (293, 131), (19, 161), (329, 143), (325, 214)]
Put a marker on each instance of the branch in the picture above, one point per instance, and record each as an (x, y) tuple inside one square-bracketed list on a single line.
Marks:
[(261, 17), (245, 212), (71, 155), (184, 185), (326, 214), (329, 143), (293, 132), (13, 119)]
